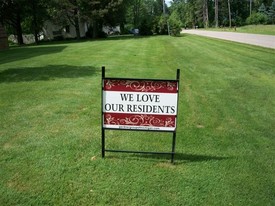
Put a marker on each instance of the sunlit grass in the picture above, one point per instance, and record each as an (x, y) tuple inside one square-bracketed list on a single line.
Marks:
[(252, 29), (50, 132)]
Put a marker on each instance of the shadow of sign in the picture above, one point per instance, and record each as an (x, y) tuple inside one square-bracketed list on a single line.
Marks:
[(198, 157), (50, 72), (179, 157)]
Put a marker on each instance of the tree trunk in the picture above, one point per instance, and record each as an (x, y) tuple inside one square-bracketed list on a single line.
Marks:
[(216, 13), (36, 33), (77, 28), (94, 29), (229, 14), (35, 22), (76, 23), (250, 7), (3, 38), (205, 14), (19, 30), (136, 12), (122, 27)]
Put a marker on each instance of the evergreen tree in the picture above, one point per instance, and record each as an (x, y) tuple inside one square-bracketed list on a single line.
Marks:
[(175, 24), (271, 13), (262, 8)]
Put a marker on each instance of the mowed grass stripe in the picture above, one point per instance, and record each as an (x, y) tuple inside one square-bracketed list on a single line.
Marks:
[(50, 125)]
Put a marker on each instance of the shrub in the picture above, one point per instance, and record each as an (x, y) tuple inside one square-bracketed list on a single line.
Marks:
[(162, 25), (174, 24), (257, 18)]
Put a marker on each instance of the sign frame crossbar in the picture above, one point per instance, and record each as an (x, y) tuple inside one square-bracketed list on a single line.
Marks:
[(103, 139)]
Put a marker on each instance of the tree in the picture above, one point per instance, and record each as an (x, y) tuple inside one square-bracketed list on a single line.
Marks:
[(201, 12), (95, 11), (11, 13), (262, 8), (250, 7), (37, 14), (257, 18), (190, 14), (229, 14), (25, 16), (205, 13), (174, 23), (118, 16), (151, 12), (271, 13), (162, 25), (217, 13), (137, 4), (66, 12), (147, 16)]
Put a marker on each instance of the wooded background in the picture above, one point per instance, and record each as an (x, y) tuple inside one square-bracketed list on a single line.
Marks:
[(149, 16)]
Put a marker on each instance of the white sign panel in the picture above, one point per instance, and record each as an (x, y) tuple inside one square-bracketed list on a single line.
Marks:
[(140, 104)]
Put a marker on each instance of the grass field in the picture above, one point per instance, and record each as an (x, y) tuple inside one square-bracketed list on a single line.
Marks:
[(50, 132), (252, 29)]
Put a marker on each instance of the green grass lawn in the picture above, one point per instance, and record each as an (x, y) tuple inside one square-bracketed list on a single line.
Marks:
[(252, 29), (50, 132)]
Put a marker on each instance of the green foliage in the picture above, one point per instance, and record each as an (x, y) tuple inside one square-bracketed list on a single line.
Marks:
[(186, 11), (194, 12), (262, 8), (257, 18), (263, 16), (146, 16), (23, 16), (162, 25), (146, 27), (64, 12), (271, 13), (174, 24)]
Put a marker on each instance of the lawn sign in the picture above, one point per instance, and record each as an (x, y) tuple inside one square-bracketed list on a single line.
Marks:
[(139, 105)]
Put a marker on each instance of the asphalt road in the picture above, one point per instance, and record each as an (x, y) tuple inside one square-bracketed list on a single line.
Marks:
[(253, 39)]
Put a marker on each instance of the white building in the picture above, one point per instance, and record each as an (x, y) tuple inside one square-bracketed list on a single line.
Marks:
[(52, 31)]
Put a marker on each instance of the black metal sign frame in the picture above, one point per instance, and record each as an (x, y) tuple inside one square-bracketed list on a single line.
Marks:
[(104, 150)]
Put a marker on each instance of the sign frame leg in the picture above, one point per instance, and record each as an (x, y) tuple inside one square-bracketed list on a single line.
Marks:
[(173, 147), (102, 115)]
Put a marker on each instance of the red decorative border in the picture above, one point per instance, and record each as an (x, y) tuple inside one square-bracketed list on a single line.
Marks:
[(141, 86), (139, 120)]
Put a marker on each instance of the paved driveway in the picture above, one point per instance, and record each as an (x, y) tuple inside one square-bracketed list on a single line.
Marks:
[(253, 39)]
